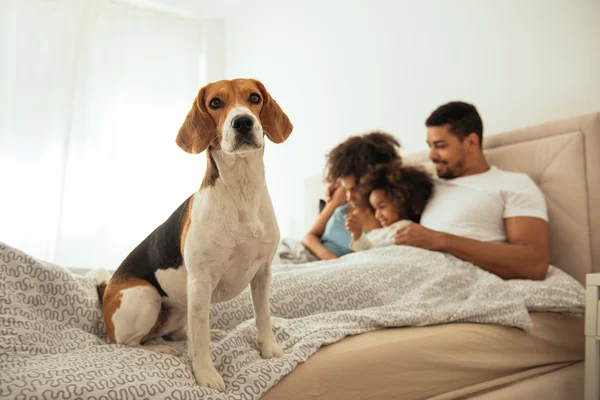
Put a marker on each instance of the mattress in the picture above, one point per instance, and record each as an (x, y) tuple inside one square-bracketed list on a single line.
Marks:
[(434, 362)]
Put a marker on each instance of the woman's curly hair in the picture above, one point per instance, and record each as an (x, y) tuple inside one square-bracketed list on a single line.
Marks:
[(357, 155), (410, 187)]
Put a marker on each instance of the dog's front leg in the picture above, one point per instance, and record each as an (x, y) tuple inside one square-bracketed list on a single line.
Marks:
[(260, 286), (199, 291)]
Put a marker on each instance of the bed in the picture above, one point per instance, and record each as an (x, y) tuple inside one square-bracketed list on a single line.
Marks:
[(389, 323), (563, 157)]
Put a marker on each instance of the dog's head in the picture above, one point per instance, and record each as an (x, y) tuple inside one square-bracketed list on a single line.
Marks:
[(233, 116)]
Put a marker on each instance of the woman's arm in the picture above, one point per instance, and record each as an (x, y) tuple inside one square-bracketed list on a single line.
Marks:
[(314, 245), (312, 240)]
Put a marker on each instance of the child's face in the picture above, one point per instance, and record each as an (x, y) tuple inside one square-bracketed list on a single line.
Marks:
[(385, 212)]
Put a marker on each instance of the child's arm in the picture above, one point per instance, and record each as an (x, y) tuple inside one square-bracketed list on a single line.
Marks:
[(354, 225), (379, 237), (362, 243)]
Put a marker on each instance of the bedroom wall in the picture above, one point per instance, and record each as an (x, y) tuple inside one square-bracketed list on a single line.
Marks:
[(92, 94), (343, 68)]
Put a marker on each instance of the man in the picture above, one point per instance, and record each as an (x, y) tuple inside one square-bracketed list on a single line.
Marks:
[(492, 218)]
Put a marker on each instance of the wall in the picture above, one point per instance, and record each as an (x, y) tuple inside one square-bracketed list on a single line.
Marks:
[(343, 68)]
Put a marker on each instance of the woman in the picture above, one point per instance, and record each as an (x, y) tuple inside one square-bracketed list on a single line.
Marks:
[(346, 165)]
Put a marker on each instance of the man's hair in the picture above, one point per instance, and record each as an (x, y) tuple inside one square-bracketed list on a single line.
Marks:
[(462, 119), (409, 187), (358, 154)]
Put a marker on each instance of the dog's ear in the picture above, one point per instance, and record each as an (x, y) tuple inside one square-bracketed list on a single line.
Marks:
[(198, 129), (275, 123)]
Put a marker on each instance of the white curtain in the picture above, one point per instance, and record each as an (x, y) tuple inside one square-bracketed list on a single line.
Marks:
[(92, 94)]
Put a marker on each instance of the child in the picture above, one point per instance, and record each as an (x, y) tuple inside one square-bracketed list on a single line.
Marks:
[(398, 195)]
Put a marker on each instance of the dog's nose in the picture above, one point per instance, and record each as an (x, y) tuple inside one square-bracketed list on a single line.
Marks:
[(242, 124)]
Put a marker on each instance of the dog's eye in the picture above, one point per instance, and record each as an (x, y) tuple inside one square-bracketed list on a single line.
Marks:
[(254, 98), (215, 103)]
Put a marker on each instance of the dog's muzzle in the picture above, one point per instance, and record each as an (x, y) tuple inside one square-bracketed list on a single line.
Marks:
[(242, 124), (244, 127)]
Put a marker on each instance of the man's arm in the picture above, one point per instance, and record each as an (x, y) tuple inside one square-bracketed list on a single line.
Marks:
[(525, 256)]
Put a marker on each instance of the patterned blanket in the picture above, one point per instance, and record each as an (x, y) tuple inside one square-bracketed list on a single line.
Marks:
[(53, 344), (292, 251)]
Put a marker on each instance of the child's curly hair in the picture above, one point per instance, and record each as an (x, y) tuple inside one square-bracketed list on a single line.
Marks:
[(357, 154), (410, 187)]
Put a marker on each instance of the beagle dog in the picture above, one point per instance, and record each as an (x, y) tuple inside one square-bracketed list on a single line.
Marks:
[(219, 240)]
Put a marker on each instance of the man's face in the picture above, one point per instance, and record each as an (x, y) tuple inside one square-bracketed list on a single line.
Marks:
[(349, 185), (447, 151)]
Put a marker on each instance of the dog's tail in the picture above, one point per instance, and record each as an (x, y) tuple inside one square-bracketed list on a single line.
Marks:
[(101, 278)]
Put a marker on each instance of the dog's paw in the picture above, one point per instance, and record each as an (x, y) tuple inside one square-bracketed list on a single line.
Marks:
[(209, 377), (270, 349)]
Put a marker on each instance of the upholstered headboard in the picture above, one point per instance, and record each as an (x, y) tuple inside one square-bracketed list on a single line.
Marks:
[(563, 157)]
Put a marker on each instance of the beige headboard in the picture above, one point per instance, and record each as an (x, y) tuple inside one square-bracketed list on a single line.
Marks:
[(563, 157)]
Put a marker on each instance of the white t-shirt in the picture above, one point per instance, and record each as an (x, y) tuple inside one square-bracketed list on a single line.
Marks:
[(378, 237), (475, 206)]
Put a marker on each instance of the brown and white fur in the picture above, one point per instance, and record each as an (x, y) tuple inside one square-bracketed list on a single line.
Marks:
[(218, 241)]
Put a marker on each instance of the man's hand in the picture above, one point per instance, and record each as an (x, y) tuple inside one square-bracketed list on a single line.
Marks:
[(353, 224), (417, 235)]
